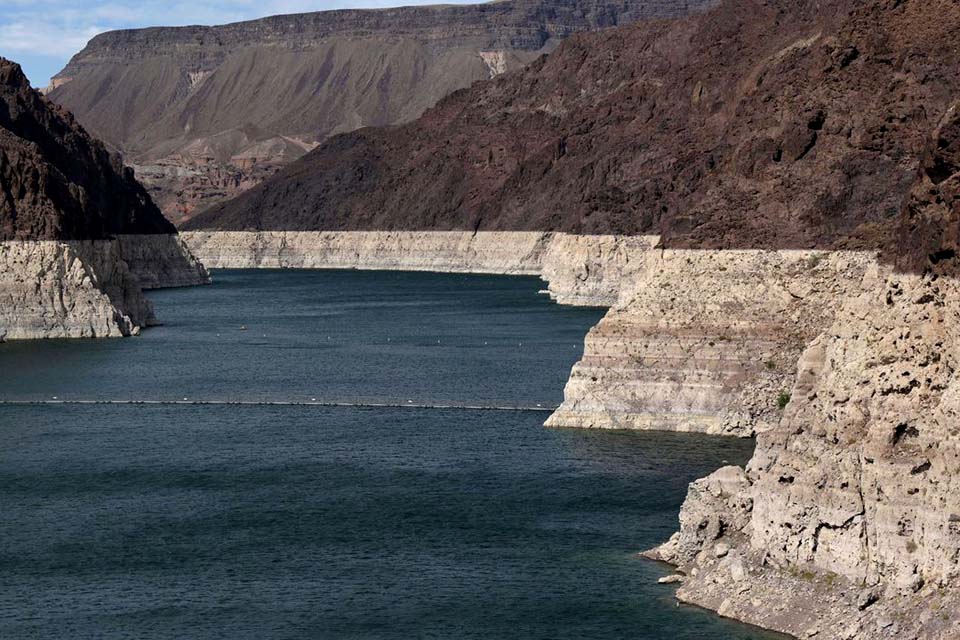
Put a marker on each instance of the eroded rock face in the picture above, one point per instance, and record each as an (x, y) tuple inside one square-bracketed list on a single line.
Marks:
[(76, 289), (161, 261), (580, 270), (58, 182), (207, 112), (777, 125), (852, 499), (860, 477), (79, 237), (929, 233), (706, 341)]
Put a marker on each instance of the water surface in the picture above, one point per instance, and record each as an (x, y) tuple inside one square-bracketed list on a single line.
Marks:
[(312, 522)]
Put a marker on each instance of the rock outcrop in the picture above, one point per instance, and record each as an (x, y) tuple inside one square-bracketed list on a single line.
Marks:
[(79, 237), (161, 261), (69, 289), (204, 113), (706, 341), (845, 523)]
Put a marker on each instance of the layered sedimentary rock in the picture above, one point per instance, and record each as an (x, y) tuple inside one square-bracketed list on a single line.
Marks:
[(79, 237), (845, 523), (206, 112), (580, 270), (706, 340), (75, 289)]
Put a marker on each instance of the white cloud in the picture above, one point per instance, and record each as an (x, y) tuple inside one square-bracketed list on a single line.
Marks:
[(45, 38)]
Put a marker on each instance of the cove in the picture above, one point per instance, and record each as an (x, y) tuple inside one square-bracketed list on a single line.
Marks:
[(335, 522)]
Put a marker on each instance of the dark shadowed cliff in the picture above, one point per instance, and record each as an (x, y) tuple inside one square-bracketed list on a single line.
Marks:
[(56, 182), (777, 123), (206, 112)]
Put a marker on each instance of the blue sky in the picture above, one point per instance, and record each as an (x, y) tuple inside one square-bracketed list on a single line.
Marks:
[(42, 35)]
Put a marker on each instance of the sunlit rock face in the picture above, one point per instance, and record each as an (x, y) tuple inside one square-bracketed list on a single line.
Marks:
[(205, 113), (706, 341), (79, 237)]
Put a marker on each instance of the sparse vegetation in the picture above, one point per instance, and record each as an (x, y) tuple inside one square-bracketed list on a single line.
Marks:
[(783, 400)]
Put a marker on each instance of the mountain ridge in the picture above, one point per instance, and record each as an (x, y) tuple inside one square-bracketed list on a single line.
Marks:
[(203, 113), (753, 125)]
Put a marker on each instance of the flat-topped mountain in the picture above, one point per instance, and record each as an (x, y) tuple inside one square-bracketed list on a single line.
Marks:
[(58, 182), (206, 112), (756, 124)]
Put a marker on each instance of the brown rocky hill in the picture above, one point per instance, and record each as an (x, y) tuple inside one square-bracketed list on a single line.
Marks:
[(205, 112), (777, 123), (58, 183)]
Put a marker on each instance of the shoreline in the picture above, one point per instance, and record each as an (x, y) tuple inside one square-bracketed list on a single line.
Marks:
[(88, 288), (842, 522), (784, 345)]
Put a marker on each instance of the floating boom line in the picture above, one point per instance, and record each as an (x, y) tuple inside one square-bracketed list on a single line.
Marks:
[(289, 403)]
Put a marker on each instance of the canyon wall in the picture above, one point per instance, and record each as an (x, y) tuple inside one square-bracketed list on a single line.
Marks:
[(845, 523), (784, 124), (204, 113), (706, 341), (88, 288), (79, 289), (79, 237), (161, 261), (580, 270)]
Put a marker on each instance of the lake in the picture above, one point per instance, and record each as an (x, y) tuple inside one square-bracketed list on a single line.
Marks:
[(294, 520)]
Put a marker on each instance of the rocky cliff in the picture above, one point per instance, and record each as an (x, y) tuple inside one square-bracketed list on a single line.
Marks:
[(845, 523), (204, 113), (579, 270), (757, 124), (706, 341), (79, 237), (777, 148)]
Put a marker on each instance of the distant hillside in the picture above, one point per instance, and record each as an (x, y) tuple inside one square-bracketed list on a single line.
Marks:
[(206, 112), (785, 123)]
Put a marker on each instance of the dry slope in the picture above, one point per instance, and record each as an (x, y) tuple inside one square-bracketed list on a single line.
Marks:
[(205, 112), (778, 124)]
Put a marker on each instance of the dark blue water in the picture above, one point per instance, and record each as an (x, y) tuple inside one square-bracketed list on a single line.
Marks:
[(313, 522)]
